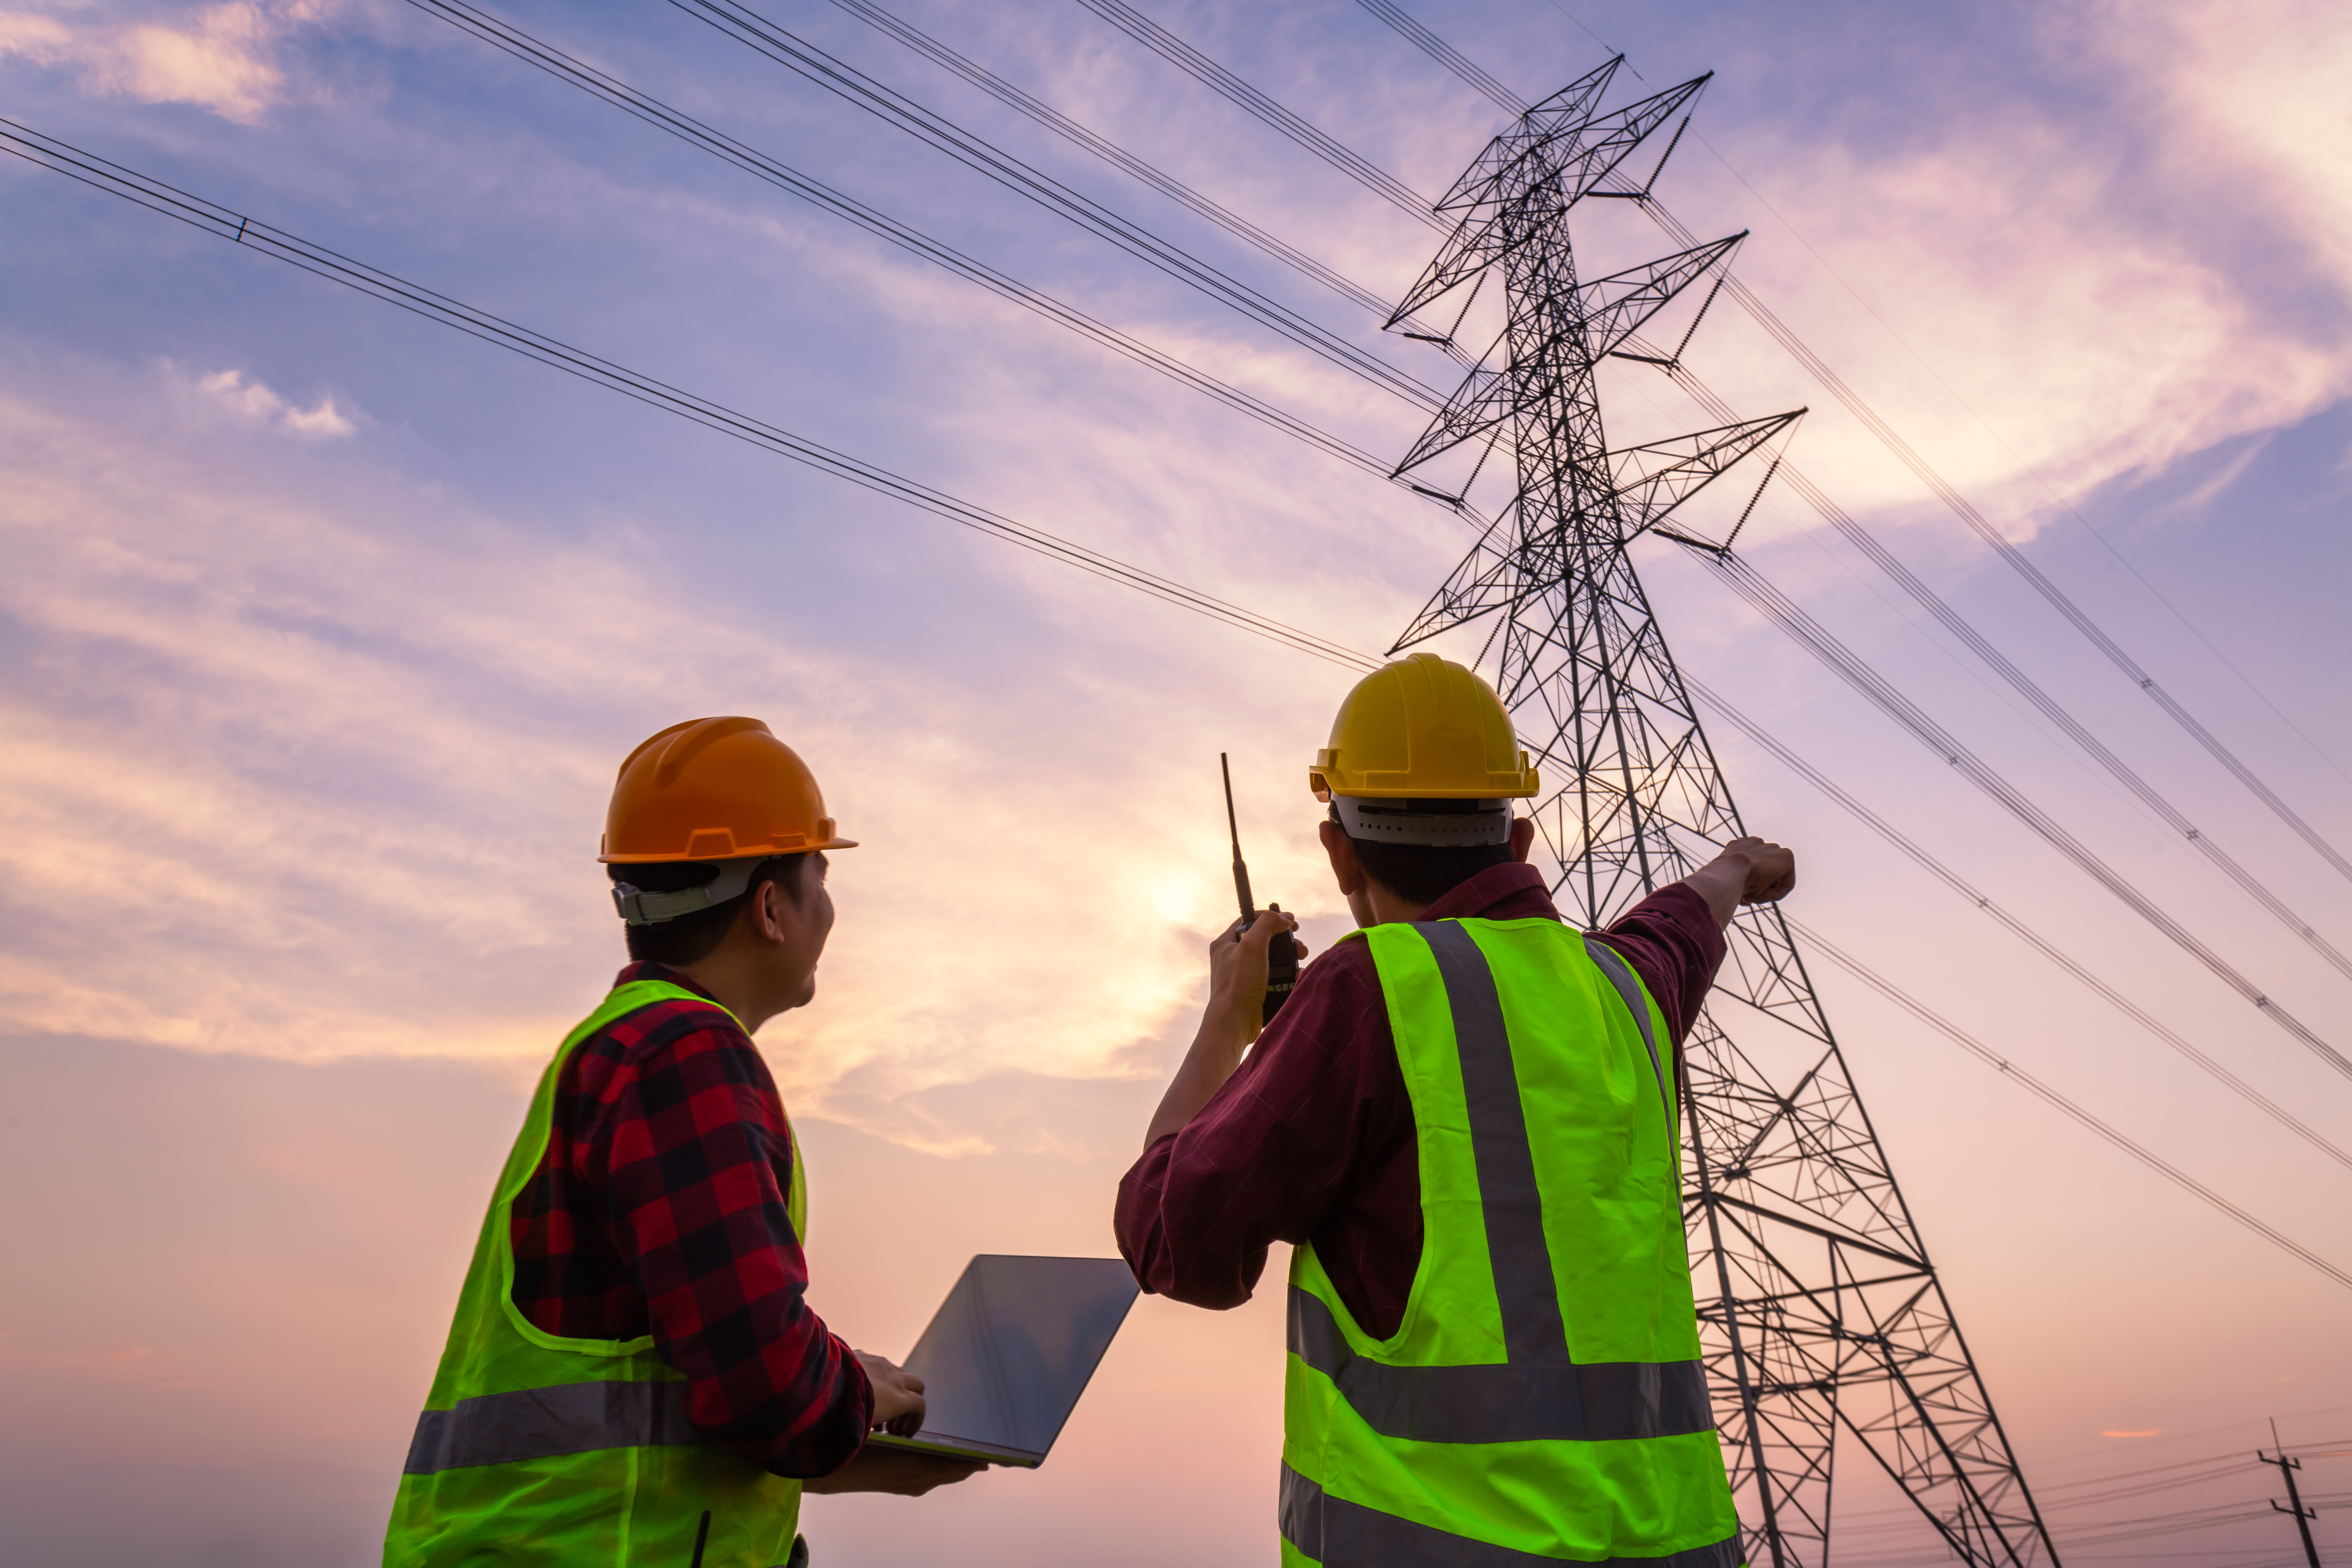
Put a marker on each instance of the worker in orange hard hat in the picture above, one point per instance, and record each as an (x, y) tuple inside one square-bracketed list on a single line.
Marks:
[(633, 1375), (1465, 1121)]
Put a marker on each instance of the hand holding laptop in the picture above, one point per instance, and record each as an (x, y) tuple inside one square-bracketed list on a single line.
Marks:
[(897, 1408), (904, 1472)]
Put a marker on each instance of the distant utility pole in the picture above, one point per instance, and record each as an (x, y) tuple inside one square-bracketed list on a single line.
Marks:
[(2293, 1504), (1818, 1307)]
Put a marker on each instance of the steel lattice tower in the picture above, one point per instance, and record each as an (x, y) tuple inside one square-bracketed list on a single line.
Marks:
[(1818, 1306)]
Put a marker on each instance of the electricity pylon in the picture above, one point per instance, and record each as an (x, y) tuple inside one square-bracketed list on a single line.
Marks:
[(1818, 1306)]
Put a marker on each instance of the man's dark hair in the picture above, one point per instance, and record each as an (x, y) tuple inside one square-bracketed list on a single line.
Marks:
[(1424, 873), (689, 939)]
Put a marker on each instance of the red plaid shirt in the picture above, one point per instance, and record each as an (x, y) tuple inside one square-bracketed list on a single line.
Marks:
[(659, 1209)]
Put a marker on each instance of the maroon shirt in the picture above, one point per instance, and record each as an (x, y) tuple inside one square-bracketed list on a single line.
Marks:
[(1312, 1139), (659, 1208)]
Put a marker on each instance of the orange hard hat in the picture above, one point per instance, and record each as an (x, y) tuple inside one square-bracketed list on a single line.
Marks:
[(715, 789)]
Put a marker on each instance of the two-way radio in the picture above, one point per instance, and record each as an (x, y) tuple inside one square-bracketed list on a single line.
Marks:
[(1282, 954)]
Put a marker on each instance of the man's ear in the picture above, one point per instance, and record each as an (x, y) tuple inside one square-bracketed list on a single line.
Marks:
[(1523, 838), (1345, 867), (765, 913)]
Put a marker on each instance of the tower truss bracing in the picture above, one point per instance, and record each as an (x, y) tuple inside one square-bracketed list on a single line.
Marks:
[(1819, 1307)]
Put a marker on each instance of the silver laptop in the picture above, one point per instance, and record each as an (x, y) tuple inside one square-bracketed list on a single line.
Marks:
[(1010, 1350)]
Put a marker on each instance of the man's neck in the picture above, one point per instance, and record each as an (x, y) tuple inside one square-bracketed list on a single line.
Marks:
[(734, 985), (1387, 907)]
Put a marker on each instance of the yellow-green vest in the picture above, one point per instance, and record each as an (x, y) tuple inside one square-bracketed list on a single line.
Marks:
[(1542, 1400), (538, 1449)]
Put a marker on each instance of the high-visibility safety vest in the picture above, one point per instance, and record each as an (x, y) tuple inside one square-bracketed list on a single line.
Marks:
[(1543, 1400), (538, 1449)]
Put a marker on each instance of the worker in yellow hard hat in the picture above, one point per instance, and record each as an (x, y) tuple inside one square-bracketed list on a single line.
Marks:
[(1465, 1121), (633, 1375)]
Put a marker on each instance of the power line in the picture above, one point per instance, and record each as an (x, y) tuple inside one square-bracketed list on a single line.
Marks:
[(2060, 1103), (2106, 543), (2017, 928), (522, 46), (750, 29), (1849, 667), (61, 157), (1446, 54), (1202, 69), (1116, 156)]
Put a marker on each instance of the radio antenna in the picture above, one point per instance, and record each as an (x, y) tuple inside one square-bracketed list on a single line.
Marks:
[(1241, 869)]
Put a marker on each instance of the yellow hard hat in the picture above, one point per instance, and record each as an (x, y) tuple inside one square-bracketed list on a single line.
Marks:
[(1422, 727), (715, 789)]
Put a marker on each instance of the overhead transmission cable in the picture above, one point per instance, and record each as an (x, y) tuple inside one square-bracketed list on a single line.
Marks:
[(1389, 188), (2016, 926), (1951, 620), (1446, 54), (63, 158), (748, 28), (2058, 1101), (1120, 158), (522, 46), (1202, 69), (1857, 673), (2055, 494)]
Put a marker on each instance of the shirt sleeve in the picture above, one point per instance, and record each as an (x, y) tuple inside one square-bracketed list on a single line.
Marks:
[(699, 1162), (1670, 940), (1267, 1157)]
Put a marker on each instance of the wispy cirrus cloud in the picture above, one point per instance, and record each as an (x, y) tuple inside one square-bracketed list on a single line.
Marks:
[(259, 403), (224, 57)]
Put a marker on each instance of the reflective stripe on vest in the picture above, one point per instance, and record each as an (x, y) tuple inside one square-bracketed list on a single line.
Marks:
[(1506, 1404), (536, 1450), (1349, 1533), (1395, 1449), (547, 1423)]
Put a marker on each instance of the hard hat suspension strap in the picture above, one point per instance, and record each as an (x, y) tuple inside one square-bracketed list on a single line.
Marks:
[(640, 908), (1445, 824)]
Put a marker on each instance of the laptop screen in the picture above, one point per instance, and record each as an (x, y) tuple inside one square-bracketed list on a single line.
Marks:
[(1013, 1346)]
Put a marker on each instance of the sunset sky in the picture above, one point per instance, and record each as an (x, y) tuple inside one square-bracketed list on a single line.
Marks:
[(323, 629)]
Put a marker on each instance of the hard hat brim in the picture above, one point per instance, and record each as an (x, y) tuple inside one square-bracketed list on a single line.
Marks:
[(763, 853)]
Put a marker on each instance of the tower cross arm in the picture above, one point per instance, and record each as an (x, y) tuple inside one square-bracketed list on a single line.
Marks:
[(1606, 311), (1656, 478), (1573, 102), (1487, 579), (1615, 307)]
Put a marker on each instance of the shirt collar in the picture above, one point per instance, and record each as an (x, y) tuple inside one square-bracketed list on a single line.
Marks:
[(646, 969), (1511, 891)]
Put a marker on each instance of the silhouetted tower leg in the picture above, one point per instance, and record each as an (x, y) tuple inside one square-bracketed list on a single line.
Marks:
[(1818, 1307)]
